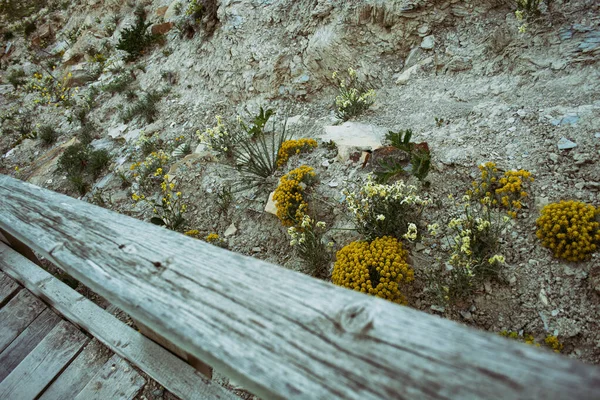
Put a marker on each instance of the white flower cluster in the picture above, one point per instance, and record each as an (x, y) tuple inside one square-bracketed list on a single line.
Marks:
[(298, 236), (217, 137), (360, 203), (411, 233)]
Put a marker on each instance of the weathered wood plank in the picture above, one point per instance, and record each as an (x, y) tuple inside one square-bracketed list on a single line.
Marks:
[(116, 380), (27, 341), (279, 333), (17, 314), (162, 366), (8, 288), (81, 371), (46, 361)]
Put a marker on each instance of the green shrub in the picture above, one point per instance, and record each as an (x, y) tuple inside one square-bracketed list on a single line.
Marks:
[(135, 40), (354, 97), (16, 77), (47, 135), (144, 107), (82, 164)]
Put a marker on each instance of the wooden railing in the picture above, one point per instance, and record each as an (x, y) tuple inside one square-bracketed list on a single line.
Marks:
[(279, 333)]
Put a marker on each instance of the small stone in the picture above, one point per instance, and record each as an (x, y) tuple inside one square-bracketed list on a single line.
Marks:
[(325, 164), (333, 184), (160, 11), (161, 29), (566, 144), (231, 230), (419, 247), (466, 315), (543, 297), (256, 249), (488, 287), (553, 157), (428, 42), (270, 207), (438, 308), (512, 280), (597, 135), (554, 313)]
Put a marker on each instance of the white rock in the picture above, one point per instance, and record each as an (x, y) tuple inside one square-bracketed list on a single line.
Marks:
[(333, 184), (565, 144), (428, 42), (405, 76), (543, 297), (271, 208), (117, 131), (354, 136), (231, 230), (325, 164)]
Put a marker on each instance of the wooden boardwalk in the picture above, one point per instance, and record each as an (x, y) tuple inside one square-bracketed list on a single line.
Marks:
[(43, 356)]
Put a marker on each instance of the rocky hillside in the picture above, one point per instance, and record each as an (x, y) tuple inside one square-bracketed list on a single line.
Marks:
[(88, 112)]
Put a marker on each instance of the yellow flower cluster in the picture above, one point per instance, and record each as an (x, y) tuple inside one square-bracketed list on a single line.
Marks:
[(51, 90), (288, 196), (195, 233), (153, 164), (527, 338), (376, 268), (291, 147), (507, 190), (570, 229), (553, 343), (212, 237)]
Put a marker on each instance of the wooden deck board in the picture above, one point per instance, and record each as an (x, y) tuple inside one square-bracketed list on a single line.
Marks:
[(27, 341), (17, 314), (116, 380), (44, 363), (73, 379), (7, 288), (167, 369)]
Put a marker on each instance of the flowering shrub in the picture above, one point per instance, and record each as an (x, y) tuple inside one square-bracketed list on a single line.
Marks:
[(506, 190), (151, 169), (307, 240), (376, 268), (291, 147), (288, 197), (386, 210), (553, 342), (474, 241), (169, 208), (52, 92), (550, 341), (218, 138), (570, 229), (353, 97)]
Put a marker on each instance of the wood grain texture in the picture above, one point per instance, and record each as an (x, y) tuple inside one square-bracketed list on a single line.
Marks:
[(46, 361), (162, 366), (77, 375), (8, 288), (27, 341), (279, 333), (17, 314), (115, 380)]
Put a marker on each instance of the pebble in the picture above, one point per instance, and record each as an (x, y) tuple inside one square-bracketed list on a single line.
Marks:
[(555, 313), (325, 164), (428, 42), (566, 144), (466, 315), (231, 230), (333, 184), (438, 308), (256, 249), (543, 297)]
